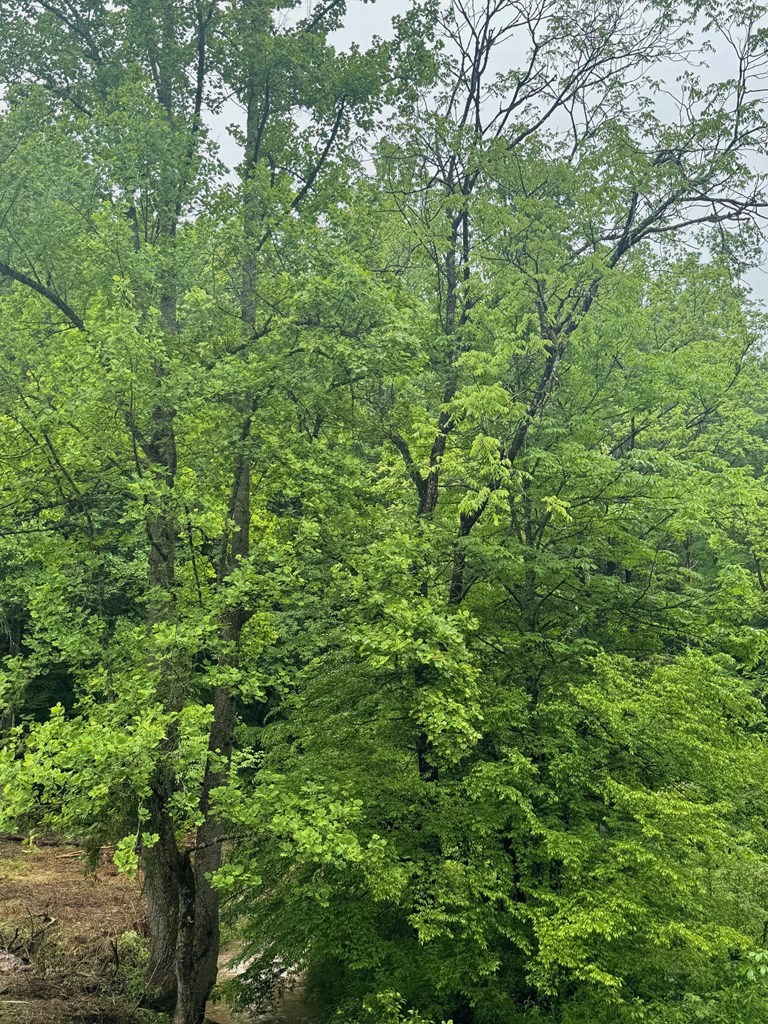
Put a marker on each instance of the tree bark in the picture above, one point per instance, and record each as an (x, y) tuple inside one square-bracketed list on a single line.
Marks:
[(161, 860), (161, 888)]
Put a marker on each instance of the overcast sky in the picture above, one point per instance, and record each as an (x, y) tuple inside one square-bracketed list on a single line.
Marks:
[(367, 20)]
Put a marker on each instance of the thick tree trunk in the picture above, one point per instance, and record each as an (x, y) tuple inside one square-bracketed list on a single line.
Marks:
[(161, 889), (161, 866), (198, 942)]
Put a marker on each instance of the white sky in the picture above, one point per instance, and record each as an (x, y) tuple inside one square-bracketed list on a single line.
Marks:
[(364, 21)]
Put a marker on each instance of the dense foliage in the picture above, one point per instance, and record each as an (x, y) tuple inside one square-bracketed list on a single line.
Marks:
[(382, 532)]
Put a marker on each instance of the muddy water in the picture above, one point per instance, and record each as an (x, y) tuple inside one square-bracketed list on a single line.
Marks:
[(290, 1008)]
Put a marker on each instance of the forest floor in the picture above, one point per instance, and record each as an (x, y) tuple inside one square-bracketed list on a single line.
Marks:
[(71, 950), (69, 947)]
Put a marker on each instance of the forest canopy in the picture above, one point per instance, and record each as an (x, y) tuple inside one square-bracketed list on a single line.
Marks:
[(383, 510)]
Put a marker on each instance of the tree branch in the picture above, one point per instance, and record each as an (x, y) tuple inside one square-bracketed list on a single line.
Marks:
[(47, 293)]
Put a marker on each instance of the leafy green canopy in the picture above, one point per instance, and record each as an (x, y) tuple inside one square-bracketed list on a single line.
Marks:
[(588, 837), (499, 658)]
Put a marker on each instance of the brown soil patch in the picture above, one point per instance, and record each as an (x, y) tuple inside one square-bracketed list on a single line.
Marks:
[(64, 920)]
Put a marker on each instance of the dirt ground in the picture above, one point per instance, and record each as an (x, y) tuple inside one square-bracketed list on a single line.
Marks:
[(61, 924), (66, 952)]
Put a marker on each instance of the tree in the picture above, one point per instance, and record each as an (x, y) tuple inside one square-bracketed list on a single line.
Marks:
[(398, 527), (491, 790), (156, 288)]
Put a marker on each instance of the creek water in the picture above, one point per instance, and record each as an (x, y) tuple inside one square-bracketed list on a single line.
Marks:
[(289, 1008)]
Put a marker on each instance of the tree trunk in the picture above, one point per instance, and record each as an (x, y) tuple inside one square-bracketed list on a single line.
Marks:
[(161, 860), (198, 941), (161, 888)]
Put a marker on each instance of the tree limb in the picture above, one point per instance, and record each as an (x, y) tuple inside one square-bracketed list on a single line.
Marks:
[(47, 293)]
